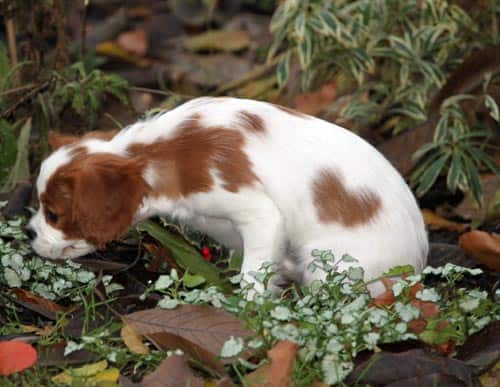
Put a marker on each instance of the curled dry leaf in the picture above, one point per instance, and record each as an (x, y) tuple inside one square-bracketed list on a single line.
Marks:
[(133, 340), (16, 356), (316, 101), (483, 246), (32, 298), (113, 50), (135, 41), (436, 222), (198, 330), (173, 371), (91, 375), (282, 357), (220, 40)]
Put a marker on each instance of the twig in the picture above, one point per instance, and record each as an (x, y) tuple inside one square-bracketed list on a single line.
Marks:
[(166, 93), (16, 89), (83, 30), (11, 38), (255, 73), (25, 98)]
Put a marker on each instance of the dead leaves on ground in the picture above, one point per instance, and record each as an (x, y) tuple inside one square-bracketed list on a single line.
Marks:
[(16, 356), (198, 330), (89, 375), (483, 246), (436, 222)]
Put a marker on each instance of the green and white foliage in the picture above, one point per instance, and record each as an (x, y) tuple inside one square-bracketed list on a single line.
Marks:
[(333, 321), (20, 267), (399, 53)]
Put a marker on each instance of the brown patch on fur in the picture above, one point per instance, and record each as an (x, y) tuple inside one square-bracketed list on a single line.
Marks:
[(57, 140), (335, 203), (183, 162), (95, 197), (291, 111), (251, 122)]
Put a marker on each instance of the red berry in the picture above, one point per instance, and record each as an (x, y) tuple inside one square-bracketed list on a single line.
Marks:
[(207, 255)]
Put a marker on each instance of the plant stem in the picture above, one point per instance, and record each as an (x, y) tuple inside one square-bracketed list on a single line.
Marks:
[(11, 38)]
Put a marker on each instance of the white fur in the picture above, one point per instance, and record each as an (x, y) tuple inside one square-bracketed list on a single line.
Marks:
[(276, 219)]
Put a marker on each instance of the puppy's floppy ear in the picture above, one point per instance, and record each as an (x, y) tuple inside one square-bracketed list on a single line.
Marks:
[(108, 191), (57, 140)]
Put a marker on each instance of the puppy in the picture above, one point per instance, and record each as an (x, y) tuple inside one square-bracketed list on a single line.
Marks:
[(255, 176)]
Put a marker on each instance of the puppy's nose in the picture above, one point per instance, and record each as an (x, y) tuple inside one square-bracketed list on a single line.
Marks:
[(30, 231)]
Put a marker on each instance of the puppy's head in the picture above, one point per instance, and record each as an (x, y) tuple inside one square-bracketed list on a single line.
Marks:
[(87, 199)]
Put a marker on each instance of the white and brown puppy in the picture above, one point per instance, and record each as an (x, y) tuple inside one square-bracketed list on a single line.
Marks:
[(256, 176)]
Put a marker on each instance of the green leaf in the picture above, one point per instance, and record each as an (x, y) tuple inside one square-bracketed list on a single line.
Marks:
[(20, 170), (330, 23), (454, 172), (193, 280), (304, 51), (398, 271), (8, 149), (492, 106), (184, 254), (473, 181), (429, 177), (283, 70)]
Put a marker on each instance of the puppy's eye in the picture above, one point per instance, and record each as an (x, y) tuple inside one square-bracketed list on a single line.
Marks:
[(52, 217)]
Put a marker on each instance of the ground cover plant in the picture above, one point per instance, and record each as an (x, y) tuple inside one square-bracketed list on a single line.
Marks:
[(418, 79)]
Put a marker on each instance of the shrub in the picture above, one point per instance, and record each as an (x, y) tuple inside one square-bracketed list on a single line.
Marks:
[(399, 53)]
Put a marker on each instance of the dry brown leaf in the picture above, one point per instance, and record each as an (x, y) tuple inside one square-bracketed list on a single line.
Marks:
[(113, 50), (483, 246), (32, 298), (436, 222), (282, 357), (172, 372), (259, 377), (468, 208), (133, 340), (135, 41), (198, 330), (220, 40), (316, 101)]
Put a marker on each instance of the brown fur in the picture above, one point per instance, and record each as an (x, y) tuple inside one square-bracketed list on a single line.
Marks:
[(95, 196), (251, 122), (57, 140), (183, 163), (291, 111), (335, 203)]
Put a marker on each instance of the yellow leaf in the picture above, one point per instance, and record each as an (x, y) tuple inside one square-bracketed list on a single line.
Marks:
[(220, 40), (86, 371), (111, 49), (436, 222), (133, 340), (109, 375)]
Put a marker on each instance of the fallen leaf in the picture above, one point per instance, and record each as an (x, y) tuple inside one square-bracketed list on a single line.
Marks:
[(32, 298), (411, 368), (207, 70), (91, 374), (259, 377), (113, 50), (482, 349), (282, 357), (427, 308), (133, 340), (16, 356), (492, 377), (198, 330), (483, 246), (220, 40), (172, 372), (468, 208), (185, 255), (160, 256), (135, 41), (53, 355), (316, 101), (384, 299), (436, 222)]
